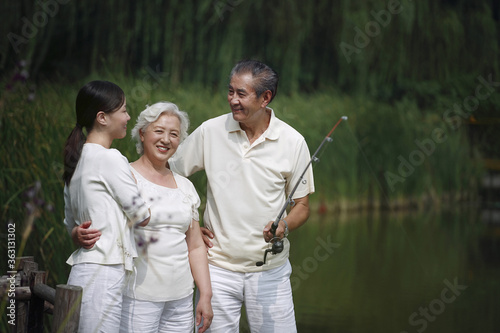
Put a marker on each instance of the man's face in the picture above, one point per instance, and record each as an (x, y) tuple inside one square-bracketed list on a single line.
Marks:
[(244, 103)]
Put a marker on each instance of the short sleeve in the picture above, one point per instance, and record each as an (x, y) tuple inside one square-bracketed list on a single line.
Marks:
[(306, 185), (195, 203), (189, 157)]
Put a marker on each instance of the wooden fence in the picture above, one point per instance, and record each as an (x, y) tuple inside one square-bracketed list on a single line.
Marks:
[(28, 298)]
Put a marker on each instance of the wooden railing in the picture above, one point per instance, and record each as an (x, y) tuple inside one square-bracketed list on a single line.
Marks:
[(28, 298)]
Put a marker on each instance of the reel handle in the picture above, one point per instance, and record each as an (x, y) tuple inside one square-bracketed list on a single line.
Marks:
[(277, 247)]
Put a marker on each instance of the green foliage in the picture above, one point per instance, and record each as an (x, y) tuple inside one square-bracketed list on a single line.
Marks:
[(396, 88), (352, 168), (365, 47)]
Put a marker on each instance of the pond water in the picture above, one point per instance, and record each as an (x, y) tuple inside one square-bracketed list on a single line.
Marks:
[(432, 271)]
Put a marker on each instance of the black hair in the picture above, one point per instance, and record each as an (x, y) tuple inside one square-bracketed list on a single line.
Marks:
[(93, 97)]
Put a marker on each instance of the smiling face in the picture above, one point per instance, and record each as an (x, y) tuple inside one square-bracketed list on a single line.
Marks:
[(246, 107), (161, 138), (118, 122)]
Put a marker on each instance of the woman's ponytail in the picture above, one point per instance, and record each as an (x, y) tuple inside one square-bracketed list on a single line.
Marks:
[(72, 152), (92, 98)]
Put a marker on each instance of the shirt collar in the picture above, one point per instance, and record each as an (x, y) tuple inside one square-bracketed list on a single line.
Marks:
[(272, 132)]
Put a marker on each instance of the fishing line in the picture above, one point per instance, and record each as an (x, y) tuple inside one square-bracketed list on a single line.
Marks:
[(278, 245), (386, 197)]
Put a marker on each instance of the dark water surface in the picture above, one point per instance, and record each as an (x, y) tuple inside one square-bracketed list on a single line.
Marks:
[(432, 271)]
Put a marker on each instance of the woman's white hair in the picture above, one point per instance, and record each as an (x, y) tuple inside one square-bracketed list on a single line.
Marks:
[(151, 114)]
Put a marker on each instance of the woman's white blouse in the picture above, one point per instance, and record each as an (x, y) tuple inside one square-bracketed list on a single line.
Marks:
[(162, 272), (103, 190)]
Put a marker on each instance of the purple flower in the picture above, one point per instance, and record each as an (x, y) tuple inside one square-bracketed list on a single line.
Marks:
[(30, 208), (24, 74)]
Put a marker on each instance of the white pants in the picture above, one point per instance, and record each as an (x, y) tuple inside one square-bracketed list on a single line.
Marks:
[(267, 297), (102, 296), (145, 316)]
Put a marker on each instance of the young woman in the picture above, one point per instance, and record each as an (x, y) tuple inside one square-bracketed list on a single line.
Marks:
[(99, 187)]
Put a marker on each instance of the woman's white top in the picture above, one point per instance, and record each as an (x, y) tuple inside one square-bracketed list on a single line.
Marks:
[(103, 190), (162, 268)]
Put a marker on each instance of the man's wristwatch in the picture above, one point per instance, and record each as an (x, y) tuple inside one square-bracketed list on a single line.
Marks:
[(286, 229)]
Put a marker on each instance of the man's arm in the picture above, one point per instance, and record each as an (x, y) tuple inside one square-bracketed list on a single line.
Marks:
[(189, 157), (298, 215)]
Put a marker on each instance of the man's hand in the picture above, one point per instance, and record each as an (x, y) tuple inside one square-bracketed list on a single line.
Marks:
[(297, 216), (280, 231), (207, 235), (85, 237)]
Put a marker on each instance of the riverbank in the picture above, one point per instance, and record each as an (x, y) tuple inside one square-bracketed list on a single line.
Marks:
[(343, 205), (386, 156)]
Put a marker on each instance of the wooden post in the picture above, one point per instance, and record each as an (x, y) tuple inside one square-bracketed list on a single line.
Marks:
[(23, 294), (25, 265), (32, 295), (67, 309), (35, 315), (45, 292), (8, 284), (21, 260)]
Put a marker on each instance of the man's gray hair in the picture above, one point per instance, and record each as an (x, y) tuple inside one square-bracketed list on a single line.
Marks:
[(265, 77), (151, 114)]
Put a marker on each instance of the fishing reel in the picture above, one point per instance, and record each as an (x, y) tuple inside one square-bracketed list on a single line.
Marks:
[(277, 247)]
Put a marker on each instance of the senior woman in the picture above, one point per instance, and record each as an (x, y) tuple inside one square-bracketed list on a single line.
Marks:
[(159, 296)]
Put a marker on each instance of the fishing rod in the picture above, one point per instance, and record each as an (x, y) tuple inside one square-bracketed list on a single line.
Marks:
[(278, 245)]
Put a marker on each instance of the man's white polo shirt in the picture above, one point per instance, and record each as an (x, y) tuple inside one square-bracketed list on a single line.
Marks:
[(247, 185)]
